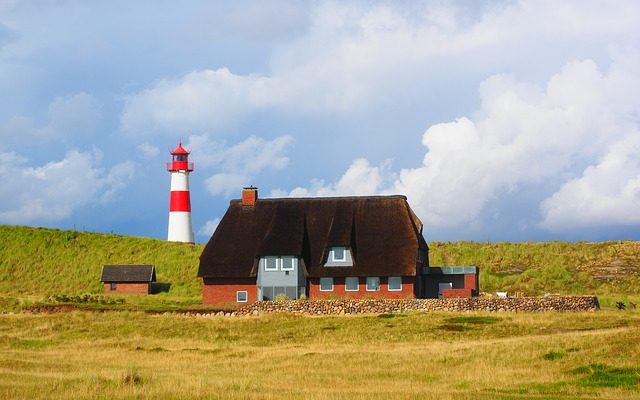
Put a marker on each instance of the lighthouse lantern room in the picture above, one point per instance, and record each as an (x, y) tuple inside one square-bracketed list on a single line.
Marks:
[(180, 226)]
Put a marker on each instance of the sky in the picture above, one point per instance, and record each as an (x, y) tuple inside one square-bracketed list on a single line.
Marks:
[(499, 120)]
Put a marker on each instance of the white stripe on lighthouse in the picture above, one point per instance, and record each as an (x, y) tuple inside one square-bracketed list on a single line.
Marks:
[(180, 229), (179, 181)]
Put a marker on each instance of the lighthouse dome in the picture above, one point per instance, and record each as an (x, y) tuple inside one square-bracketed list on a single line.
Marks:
[(179, 150)]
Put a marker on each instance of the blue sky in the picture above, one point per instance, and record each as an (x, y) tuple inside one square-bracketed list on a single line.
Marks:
[(505, 120)]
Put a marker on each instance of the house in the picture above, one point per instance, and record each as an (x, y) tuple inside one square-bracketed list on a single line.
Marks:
[(128, 278), (446, 282), (356, 247)]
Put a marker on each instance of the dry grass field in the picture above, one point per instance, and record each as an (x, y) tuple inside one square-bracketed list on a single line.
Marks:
[(119, 354), (110, 348)]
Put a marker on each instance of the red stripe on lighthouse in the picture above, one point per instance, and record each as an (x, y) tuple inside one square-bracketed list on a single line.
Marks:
[(180, 201)]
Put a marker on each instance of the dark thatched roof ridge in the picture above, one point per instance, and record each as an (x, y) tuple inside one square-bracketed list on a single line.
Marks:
[(128, 273), (382, 231)]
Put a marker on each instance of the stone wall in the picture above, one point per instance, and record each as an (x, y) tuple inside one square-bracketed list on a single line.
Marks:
[(353, 306)]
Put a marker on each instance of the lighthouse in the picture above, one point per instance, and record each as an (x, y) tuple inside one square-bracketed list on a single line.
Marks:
[(180, 227)]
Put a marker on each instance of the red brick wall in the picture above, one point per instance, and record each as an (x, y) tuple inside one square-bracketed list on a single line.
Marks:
[(127, 288), (340, 292), (219, 290), (456, 293), (470, 282)]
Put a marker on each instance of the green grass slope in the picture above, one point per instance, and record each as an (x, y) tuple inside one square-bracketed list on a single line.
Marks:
[(39, 262), (43, 262), (602, 268)]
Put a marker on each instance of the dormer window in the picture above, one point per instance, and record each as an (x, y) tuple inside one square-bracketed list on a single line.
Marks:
[(282, 263), (289, 263), (339, 256), (271, 263)]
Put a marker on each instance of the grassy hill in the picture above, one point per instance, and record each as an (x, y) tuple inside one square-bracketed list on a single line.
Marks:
[(37, 262), (602, 268)]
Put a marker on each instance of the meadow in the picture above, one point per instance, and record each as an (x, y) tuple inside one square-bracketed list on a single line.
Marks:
[(37, 263), (121, 355), (117, 347)]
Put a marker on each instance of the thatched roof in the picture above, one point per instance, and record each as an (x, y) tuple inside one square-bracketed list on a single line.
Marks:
[(128, 273), (382, 231)]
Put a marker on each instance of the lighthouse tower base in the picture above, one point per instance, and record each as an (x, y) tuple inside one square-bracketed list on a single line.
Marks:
[(180, 228)]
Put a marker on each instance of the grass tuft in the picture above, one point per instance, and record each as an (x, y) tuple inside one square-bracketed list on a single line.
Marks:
[(474, 320), (553, 355), (454, 327), (132, 378), (599, 375)]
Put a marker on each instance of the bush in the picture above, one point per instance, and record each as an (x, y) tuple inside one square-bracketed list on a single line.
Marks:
[(84, 299)]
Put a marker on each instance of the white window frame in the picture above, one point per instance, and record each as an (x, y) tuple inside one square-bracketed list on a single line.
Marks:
[(389, 286), (344, 254), (367, 284), (246, 296), (326, 290), (278, 263), (294, 263), (346, 288)]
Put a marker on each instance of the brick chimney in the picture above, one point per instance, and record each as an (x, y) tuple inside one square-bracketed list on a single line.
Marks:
[(249, 196)]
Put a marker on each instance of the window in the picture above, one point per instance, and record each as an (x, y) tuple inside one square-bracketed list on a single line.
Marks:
[(113, 286), (289, 263), (241, 296), (394, 283), (326, 284), (268, 293), (284, 263), (351, 284), (373, 284), (271, 263), (338, 254)]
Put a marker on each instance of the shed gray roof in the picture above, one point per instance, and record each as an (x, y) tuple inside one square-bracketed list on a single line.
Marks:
[(128, 273)]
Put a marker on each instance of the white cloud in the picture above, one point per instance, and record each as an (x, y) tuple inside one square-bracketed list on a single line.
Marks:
[(525, 134), (66, 116), (76, 113), (266, 21), (53, 191), (239, 163), (354, 57), (116, 180), (200, 101), (209, 227), (148, 151), (606, 194), (361, 178)]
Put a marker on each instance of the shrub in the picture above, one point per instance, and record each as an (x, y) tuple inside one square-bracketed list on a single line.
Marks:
[(132, 378)]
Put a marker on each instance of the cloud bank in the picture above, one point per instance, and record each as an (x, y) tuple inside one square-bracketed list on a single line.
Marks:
[(53, 191), (526, 134), (239, 164)]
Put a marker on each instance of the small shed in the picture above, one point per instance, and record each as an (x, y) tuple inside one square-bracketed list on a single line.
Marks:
[(134, 279), (447, 282)]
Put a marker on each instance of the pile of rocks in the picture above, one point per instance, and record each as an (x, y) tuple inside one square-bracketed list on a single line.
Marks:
[(381, 306)]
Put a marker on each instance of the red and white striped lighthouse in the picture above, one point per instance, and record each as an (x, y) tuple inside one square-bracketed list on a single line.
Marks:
[(180, 227)]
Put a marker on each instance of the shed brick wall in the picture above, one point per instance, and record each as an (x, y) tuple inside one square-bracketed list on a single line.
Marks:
[(128, 288), (223, 290), (456, 293), (470, 282), (340, 292)]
